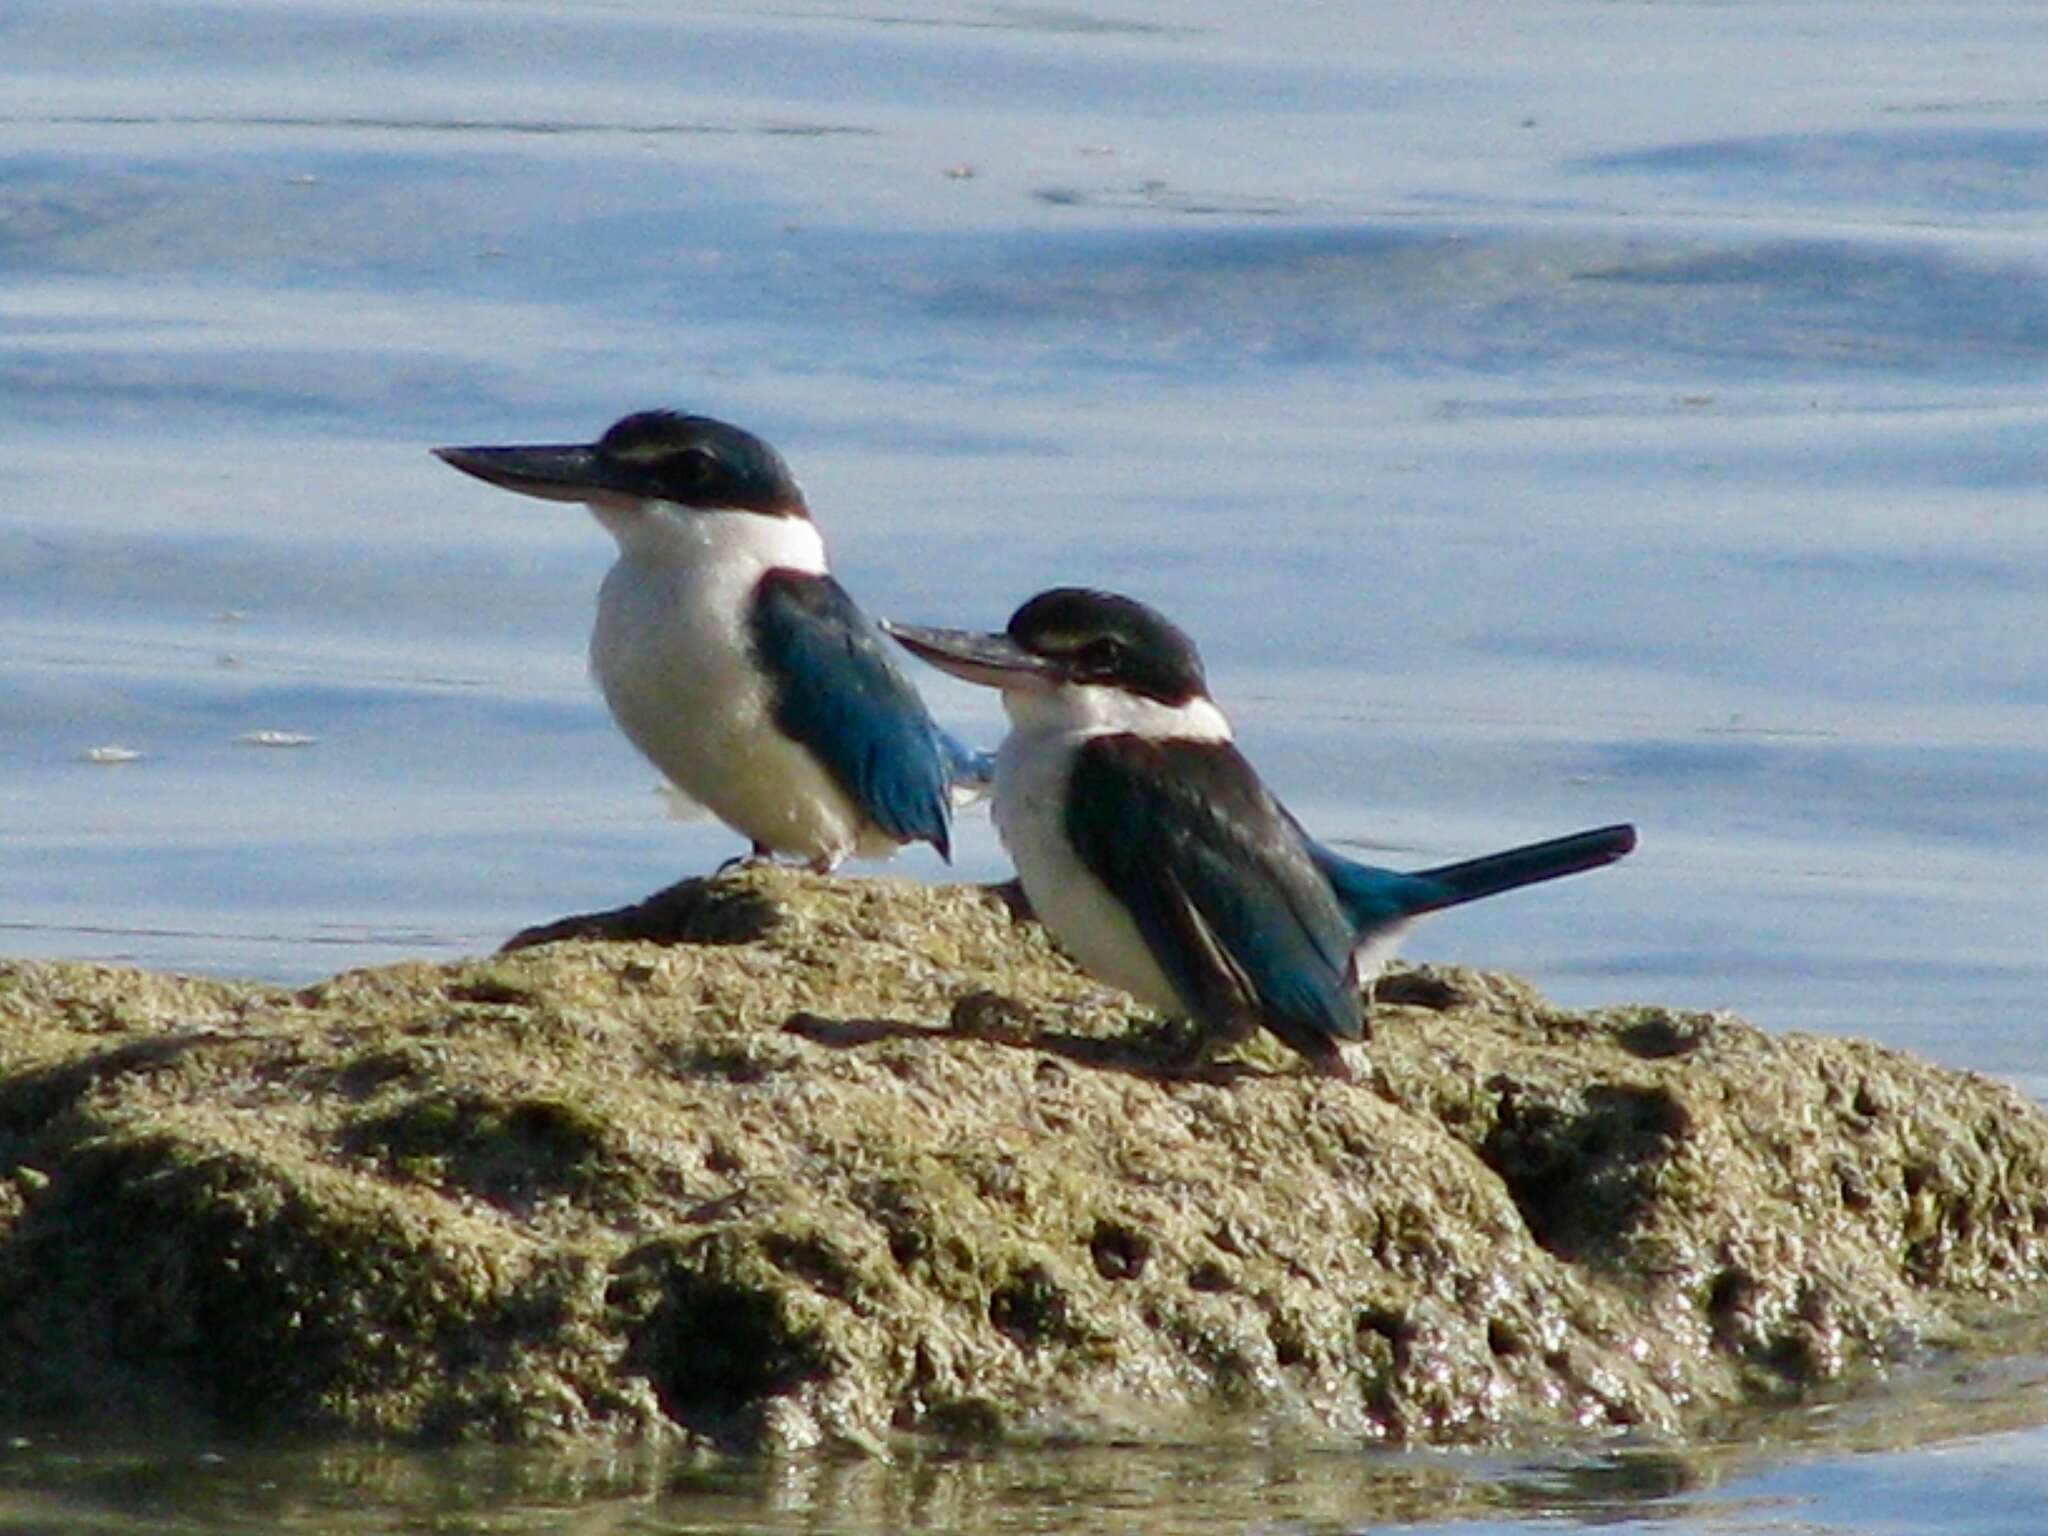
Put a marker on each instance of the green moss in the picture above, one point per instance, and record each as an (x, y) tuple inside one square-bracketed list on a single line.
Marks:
[(717, 1342), (1586, 1173), (736, 1059), (1032, 1308), (268, 1306), (509, 1151)]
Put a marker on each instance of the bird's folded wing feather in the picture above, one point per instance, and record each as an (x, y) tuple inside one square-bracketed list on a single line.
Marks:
[(1220, 884), (839, 692)]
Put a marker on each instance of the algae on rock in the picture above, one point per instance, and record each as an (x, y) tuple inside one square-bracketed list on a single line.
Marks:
[(860, 1157)]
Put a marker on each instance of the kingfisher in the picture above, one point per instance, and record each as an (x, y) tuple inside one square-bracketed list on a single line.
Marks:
[(728, 653), (1159, 860)]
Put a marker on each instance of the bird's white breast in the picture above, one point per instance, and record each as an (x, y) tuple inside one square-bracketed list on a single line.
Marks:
[(673, 652), (1033, 770)]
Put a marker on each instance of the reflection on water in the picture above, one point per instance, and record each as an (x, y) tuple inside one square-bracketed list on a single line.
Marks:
[(1809, 1472)]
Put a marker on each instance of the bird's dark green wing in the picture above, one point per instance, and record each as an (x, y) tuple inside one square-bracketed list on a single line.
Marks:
[(1221, 885)]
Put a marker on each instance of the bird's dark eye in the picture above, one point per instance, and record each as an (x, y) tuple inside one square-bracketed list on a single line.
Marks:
[(1101, 653), (693, 466)]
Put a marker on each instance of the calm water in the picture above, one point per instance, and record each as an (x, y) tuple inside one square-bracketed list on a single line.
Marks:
[(1542, 414), (1842, 1470)]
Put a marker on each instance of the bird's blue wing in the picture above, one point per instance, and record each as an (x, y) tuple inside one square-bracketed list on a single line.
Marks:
[(837, 689), (1221, 885)]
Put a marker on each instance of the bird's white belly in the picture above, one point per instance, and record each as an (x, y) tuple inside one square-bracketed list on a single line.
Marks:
[(671, 652), (1091, 925)]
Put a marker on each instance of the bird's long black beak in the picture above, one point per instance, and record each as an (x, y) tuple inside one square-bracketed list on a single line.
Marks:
[(552, 471), (995, 661)]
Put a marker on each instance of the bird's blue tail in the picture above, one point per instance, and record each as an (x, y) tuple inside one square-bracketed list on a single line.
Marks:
[(1377, 897), (970, 771), (1492, 873)]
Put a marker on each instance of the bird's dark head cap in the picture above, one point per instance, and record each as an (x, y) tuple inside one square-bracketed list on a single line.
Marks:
[(1114, 641), (699, 461)]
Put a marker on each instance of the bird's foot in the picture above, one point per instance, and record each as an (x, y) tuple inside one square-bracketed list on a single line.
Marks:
[(760, 857), (1182, 1047)]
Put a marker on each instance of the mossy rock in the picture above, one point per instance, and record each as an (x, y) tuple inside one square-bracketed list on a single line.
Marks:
[(810, 1162)]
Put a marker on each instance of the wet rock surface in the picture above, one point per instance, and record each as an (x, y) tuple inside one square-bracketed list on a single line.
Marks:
[(852, 1158)]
